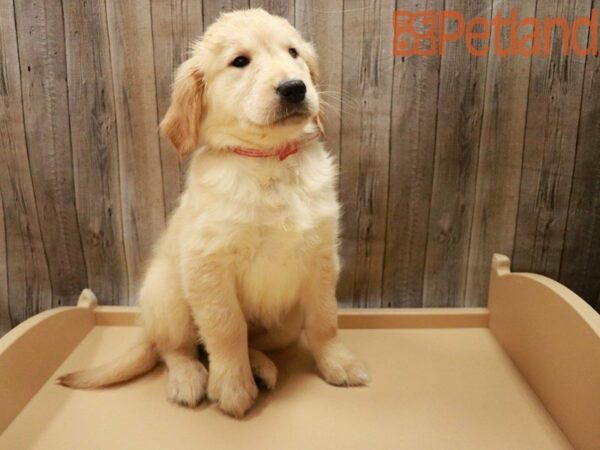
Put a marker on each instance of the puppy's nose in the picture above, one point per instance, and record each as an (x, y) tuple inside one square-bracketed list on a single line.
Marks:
[(292, 91)]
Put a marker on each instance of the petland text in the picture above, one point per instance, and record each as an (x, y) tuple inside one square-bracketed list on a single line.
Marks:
[(428, 33)]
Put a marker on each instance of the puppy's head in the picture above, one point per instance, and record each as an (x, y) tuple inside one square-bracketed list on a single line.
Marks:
[(251, 74)]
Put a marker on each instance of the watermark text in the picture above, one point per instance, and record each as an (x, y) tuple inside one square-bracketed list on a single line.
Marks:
[(428, 33)]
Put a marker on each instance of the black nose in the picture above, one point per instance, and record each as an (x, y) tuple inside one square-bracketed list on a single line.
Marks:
[(292, 91)]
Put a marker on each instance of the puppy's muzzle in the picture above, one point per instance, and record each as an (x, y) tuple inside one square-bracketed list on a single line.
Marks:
[(292, 91)]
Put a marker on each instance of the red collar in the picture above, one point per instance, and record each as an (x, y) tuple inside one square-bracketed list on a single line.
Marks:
[(281, 152)]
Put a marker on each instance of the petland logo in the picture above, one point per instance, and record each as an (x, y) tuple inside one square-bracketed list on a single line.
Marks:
[(427, 33)]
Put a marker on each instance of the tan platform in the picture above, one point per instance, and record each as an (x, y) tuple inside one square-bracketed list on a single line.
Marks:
[(523, 374)]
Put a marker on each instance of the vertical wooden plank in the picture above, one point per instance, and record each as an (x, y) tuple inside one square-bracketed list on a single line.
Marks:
[(550, 143), (283, 8), (367, 73), (5, 324), (130, 34), (500, 157), (95, 148), (212, 8), (30, 289), (320, 21), (175, 24), (580, 264), (460, 111), (41, 44), (414, 116)]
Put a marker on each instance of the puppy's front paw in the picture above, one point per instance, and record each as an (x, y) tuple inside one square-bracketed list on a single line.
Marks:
[(187, 384), (232, 388), (340, 367)]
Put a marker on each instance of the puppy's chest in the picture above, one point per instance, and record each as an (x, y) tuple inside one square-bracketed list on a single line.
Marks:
[(272, 261)]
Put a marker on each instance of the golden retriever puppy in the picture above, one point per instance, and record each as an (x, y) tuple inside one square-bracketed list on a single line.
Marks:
[(249, 258)]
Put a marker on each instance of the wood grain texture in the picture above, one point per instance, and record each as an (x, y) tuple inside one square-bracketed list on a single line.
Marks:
[(5, 321), (364, 164), (212, 8), (41, 44), (460, 112), (320, 21), (175, 25), (500, 158), (30, 289), (580, 262), (142, 199), (283, 8), (95, 148), (414, 117), (555, 92)]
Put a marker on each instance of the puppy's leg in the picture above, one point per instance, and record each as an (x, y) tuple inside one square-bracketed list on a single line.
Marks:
[(337, 364), (187, 376), (210, 291), (169, 326), (263, 368)]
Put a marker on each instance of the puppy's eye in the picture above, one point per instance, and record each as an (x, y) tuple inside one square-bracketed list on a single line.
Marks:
[(293, 52), (240, 61)]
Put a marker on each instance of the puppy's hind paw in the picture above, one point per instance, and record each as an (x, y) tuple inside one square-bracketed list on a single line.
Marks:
[(187, 384), (263, 369), (340, 367)]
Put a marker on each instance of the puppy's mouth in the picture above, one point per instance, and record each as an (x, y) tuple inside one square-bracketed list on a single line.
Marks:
[(291, 115)]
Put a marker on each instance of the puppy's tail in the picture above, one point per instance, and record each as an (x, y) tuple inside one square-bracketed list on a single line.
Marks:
[(137, 361)]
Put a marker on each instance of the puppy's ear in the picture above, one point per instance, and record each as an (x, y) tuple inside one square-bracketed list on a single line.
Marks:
[(310, 56), (182, 121)]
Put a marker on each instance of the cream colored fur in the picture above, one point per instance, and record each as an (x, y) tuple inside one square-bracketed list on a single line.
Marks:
[(249, 258)]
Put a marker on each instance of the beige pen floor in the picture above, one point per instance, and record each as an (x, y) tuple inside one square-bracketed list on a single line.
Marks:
[(430, 389)]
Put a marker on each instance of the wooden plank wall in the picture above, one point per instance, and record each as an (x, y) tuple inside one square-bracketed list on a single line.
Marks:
[(443, 160)]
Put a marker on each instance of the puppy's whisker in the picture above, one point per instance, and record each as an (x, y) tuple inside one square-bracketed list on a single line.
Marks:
[(333, 109), (352, 103)]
